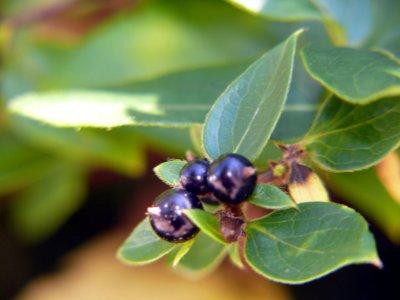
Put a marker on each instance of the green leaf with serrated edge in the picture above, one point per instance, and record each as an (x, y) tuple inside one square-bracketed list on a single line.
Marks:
[(143, 246), (207, 223), (355, 75), (203, 257), (169, 171), (347, 137), (234, 255), (272, 197), (244, 116), (296, 246), (364, 191), (182, 251), (39, 210)]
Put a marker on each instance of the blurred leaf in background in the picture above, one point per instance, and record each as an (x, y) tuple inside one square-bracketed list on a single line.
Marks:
[(42, 207), (160, 62)]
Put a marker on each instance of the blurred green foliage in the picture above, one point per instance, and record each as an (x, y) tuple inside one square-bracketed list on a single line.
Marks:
[(168, 48)]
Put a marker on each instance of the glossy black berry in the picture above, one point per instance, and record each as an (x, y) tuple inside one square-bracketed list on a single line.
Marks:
[(167, 217), (232, 178), (194, 176)]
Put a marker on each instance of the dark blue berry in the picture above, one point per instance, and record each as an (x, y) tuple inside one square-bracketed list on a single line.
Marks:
[(232, 178), (167, 217), (194, 176)]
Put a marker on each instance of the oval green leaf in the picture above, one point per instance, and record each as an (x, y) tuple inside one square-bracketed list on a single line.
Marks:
[(182, 251), (207, 223), (355, 75), (347, 137), (234, 255), (244, 116), (143, 246), (364, 191), (204, 257), (169, 171), (296, 246), (271, 197)]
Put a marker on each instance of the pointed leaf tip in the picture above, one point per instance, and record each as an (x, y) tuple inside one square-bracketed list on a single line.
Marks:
[(245, 114)]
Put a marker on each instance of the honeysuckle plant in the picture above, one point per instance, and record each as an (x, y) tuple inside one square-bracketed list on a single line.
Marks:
[(321, 102)]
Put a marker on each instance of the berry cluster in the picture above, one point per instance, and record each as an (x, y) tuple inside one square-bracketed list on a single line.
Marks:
[(230, 180)]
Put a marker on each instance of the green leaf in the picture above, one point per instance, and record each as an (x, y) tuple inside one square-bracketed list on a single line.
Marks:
[(159, 38), (282, 10), (301, 105), (169, 171), (364, 191), (356, 75), (21, 164), (118, 149), (207, 223), (296, 246), (182, 251), (347, 22), (180, 99), (143, 246), (244, 116), (234, 255), (172, 140), (195, 136), (272, 197), (46, 204), (386, 32), (347, 137), (344, 27), (203, 257)]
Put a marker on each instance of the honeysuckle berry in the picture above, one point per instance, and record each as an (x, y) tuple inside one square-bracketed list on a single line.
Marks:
[(194, 176), (167, 215), (232, 178)]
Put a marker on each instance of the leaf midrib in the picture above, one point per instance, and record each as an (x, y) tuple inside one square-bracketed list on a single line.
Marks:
[(282, 54), (311, 138)]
